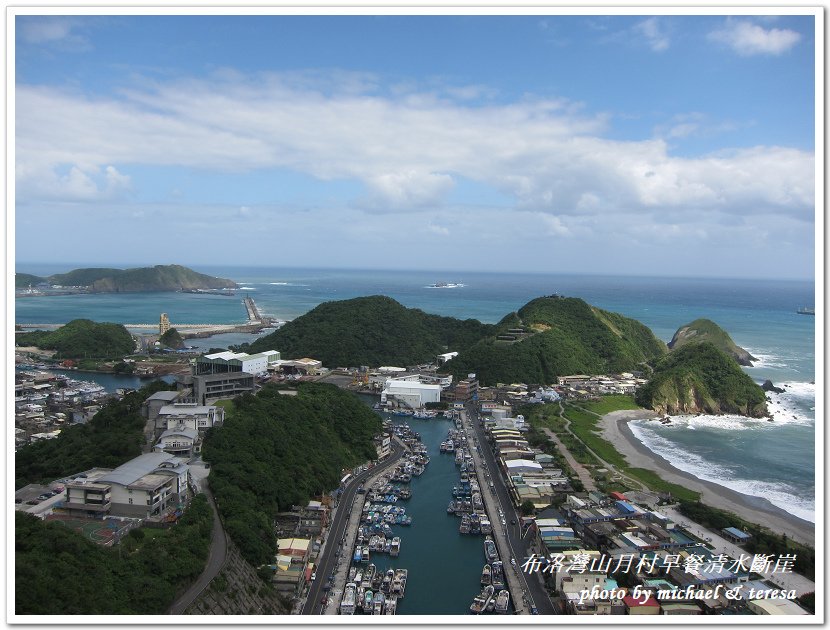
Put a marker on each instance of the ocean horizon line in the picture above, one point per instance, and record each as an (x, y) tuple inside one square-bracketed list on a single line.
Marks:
[(65, 267)]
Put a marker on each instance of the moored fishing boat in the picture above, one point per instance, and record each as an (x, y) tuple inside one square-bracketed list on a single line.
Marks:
[(490, 552), (481, 600), (502, 601), (497, 575), (347, 604), (485, 575)]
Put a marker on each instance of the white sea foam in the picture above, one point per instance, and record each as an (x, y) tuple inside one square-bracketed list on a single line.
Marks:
[(247, 289), (768, 361), (789, 406), (287, 284), (780, 494)]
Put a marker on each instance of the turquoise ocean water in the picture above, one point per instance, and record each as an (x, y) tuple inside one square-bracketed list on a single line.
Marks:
[(774, 460)]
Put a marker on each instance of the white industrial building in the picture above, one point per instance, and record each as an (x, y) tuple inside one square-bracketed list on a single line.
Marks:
[(412, 394), (228, 361)]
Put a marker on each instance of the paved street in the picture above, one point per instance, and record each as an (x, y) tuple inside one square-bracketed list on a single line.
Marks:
[(334, 556), (518, 547), (216, 560)]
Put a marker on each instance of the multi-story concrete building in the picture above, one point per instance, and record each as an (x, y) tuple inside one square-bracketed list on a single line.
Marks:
[(145, 486)]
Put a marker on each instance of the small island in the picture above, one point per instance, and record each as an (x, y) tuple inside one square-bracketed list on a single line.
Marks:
[(108, 280)]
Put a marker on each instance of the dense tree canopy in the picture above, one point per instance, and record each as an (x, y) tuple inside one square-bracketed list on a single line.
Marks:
[(276, 450), (374, 331), (559, 336), (700, 378), (82, 338), (59, 572)]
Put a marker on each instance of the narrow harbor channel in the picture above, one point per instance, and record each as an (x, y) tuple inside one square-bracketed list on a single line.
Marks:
[(444, 565)]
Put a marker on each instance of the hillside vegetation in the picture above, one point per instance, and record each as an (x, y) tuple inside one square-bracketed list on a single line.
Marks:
[(374, 331), (275, 450), (556, 336), (82, 338), (700, 378), (24, 280), (707, 330), (59, 572), (139, 279)]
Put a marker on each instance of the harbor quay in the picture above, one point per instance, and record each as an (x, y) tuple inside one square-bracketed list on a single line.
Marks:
[(339, 548), (494, 510)]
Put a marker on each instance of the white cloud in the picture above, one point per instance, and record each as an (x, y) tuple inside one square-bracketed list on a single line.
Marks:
[(51, 30), (749, 39), (548, 155), (438, 229), (652, 30)]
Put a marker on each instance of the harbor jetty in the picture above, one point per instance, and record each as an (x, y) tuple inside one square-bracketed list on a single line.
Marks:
[(494, 511)]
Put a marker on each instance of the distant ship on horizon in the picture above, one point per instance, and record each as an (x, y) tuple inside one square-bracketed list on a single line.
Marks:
[(446, 285), (804, 310)]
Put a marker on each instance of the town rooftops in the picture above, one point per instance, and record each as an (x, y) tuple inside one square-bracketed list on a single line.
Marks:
[(635, 602)]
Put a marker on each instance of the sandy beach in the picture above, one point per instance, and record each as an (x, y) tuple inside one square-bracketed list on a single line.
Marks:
[(615, 429)]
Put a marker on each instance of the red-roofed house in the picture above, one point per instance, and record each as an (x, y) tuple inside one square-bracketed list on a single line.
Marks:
[(618, 496), (636, 606)]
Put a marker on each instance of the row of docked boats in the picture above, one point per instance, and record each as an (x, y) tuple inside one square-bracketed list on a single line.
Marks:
[(489, 601), (373, 592), (376, 543), (494, 597)]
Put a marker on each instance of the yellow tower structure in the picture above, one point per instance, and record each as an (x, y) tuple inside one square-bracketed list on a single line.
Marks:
[(164, 324)]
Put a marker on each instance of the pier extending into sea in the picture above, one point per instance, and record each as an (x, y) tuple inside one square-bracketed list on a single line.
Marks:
[(256, 321)]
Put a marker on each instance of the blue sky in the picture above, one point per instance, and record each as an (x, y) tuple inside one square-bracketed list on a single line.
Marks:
[(632, 144)]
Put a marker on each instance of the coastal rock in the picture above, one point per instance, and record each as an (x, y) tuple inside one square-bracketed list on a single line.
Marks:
[(707, 330), (769, 387), (700, 378)]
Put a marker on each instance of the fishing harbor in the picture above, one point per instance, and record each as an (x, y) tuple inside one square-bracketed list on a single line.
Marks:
[(408, 553)]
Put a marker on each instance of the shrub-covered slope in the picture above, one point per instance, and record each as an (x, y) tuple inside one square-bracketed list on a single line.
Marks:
[(555, 336), (700, 378), (374, 330), (707, 330)]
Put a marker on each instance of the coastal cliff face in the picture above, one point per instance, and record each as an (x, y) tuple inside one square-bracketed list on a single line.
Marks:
[(707, 330), (701, 378)]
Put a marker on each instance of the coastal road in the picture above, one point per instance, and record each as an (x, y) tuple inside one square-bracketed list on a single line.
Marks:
[(216, 560), (519, 546), (328, 560)]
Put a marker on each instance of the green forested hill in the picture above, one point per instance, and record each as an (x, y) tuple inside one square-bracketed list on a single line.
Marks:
[(82, 338), (23, 280), (700, 378), (374, 331), (83, 277), (139, 279), (59, 572), (555, 336), (707, 330), (274, 451)]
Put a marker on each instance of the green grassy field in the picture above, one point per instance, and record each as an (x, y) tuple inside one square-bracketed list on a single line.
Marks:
[(583, 417)]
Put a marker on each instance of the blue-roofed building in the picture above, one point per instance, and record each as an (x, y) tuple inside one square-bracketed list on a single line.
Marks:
[(625, 507), (735, 535)]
